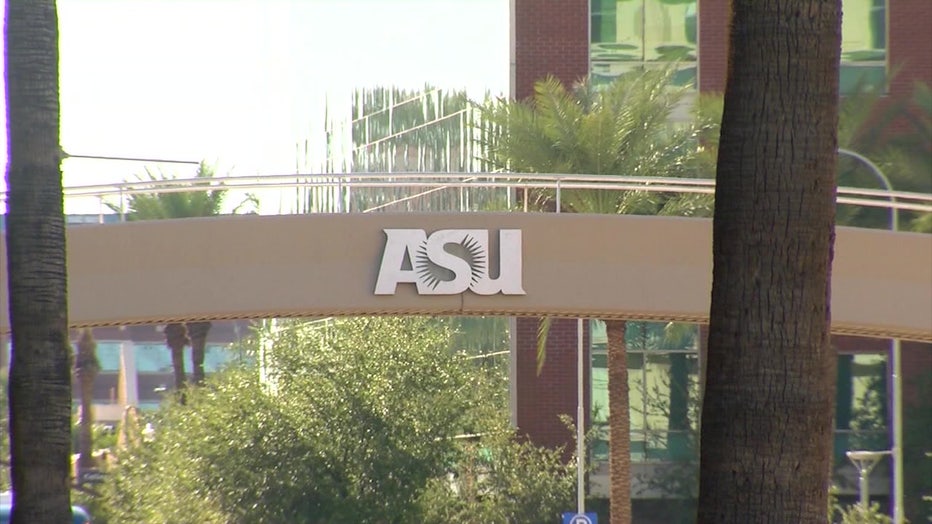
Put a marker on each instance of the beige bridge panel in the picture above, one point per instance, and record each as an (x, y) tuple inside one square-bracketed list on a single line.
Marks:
[(573, 265)]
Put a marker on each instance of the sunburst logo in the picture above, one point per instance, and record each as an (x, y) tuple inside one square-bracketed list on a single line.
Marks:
[(449, 262), (468, 249)]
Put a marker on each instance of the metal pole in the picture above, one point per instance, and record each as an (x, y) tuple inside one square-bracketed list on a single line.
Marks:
[(863, 488), (898, 507), (580, 423), (559, 203), (894, 215), (895, 373)]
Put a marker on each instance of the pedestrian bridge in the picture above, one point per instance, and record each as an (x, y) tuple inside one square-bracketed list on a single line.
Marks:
[(560, 264)]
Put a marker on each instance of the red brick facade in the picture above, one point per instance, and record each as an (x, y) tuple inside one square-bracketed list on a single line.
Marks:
[(909, 44), (714, 22), (550, 38), (541, 399)]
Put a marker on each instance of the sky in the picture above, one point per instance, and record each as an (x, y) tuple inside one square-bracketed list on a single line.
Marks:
[(240, 82)]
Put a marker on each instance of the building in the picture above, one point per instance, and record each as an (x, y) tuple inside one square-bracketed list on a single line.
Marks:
[(886, 47)]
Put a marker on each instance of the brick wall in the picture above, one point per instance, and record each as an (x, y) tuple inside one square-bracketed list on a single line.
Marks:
[(541, 399), (909, 44), (714, 23), (550, 38)]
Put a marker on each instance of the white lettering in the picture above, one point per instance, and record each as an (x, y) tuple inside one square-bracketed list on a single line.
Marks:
[(450, 261)]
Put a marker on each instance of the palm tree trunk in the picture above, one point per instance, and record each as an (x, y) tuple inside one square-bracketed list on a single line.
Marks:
[(197, 332), (767, 420), (86, 367), (619, 423), (40, 372), (176, 337)]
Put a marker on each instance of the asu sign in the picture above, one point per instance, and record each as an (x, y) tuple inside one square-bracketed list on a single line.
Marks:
[(450, 261)]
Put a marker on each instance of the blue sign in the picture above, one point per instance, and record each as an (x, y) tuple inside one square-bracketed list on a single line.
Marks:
[(580, 518)]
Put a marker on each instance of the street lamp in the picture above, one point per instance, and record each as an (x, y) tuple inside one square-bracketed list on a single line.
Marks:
[(896, 371), (865, 461)]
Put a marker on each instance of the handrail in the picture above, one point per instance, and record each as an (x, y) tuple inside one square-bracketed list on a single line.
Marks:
[(431, 182)]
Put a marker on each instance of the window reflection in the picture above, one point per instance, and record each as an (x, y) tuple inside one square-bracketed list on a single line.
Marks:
[(156, 358), (863, 45), (861, 404), (664, 394), (663, 385), (632, 34)]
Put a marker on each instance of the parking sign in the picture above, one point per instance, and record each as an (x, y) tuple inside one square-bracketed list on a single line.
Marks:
[(580, 518)]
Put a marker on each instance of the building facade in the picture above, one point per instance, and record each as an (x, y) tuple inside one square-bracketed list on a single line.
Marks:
[(887, 49)]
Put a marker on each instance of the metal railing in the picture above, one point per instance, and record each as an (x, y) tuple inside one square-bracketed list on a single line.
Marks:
[(367, 192)]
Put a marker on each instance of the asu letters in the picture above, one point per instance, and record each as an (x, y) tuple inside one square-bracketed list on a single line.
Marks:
[(450, 261)]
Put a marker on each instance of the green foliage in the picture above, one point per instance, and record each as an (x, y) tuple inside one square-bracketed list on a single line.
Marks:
[(352, 421), (175, 204), (621, 129), (855, 514), (501, 479), (169, 202)]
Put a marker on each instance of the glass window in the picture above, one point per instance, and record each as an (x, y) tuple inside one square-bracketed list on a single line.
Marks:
[(156, 358), (108, 355), (153, 358), (663, 389), (631, 34), (861, 404), (863, 45)]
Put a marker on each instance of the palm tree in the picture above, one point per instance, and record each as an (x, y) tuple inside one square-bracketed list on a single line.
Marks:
[(86, 369), (621, 129), (182, 204), (766, 432), (40, 372)]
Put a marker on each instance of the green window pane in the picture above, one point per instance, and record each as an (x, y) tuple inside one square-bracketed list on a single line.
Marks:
[(599, 379), (856, 77), (153, 358), (668, 30), (156, 358), (861, 404), (863, 31), (629, 34), (671, 391), (108, 355), (863, 46)]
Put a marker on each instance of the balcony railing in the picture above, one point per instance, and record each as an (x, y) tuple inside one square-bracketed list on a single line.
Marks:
[(425, 192)]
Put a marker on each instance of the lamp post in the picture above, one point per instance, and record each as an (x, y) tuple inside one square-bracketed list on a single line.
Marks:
[(865, 461), (896, 371)]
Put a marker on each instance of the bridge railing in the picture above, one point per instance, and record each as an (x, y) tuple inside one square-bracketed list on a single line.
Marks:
[(440, 192)]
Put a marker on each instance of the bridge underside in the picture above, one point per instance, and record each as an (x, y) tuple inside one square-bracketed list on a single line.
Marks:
[(601, 266)]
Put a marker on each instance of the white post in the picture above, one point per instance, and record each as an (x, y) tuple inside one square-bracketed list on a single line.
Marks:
[(580, 422), (898, 507)]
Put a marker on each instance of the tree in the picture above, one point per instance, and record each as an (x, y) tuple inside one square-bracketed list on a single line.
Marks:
[(499, 478), (353, 422), (621, 129), (766, 433), (182, 204), (86, 369), (40, 371)]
